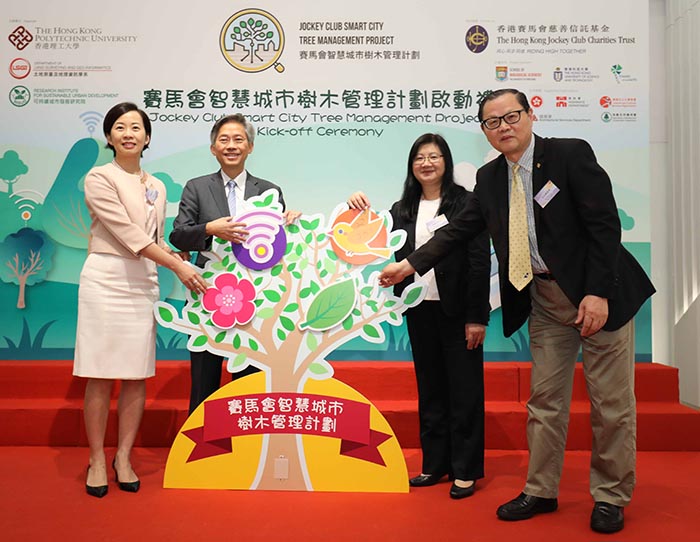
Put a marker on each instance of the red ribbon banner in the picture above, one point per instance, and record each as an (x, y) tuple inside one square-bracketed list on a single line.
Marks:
[(291, 413)]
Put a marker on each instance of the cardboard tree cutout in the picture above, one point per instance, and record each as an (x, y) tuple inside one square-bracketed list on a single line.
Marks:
[(282, 301)]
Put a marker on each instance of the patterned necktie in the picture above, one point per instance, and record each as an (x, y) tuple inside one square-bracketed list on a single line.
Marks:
[(231, 197), (519, 267)]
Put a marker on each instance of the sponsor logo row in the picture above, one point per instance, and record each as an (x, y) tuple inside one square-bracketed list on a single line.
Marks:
[(563, 101), (566, 74)]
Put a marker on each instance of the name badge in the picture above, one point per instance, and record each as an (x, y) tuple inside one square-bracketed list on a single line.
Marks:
[(545, 195), (436, 223)]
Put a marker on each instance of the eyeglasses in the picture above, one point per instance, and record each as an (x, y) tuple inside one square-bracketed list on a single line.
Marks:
[(494, 122), (432, 158)]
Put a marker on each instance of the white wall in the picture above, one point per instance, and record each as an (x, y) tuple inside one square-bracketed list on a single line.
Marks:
[(659, 193), (677, 190)]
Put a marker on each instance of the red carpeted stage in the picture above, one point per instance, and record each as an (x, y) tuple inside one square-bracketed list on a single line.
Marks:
[(42, 471)]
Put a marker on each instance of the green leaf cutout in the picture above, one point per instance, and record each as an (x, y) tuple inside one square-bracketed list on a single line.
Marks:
[(347, 323), (412, 294), (331, 306), (318, 369), (238, 360), (395, 241), (166, 314), (370, 331), (193, 317), (287, 323), (200, 341), (272, 295), (311, 342), (264, 314)]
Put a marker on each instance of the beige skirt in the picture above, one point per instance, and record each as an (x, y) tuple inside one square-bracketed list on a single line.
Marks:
[(116, 333)]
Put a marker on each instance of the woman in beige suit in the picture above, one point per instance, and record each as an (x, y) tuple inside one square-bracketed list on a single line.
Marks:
[(118, 286)]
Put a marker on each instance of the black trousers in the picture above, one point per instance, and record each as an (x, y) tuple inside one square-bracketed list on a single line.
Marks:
[(205, 372), (450, 382)]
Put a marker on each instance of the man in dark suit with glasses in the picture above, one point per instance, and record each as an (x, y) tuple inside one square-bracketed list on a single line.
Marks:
[(550, 211)]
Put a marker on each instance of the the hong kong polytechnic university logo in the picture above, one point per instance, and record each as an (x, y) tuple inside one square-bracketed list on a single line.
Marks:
[(20, 37), (252, 40)]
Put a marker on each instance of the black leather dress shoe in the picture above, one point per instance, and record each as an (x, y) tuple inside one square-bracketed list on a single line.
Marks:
[(457, 492), (424, 480), (525, 506), (607, 518)]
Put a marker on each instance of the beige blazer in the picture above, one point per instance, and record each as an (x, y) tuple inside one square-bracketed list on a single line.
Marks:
[(117, 205)]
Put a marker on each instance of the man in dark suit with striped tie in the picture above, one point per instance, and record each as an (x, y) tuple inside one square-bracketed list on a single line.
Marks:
[(207, 209)]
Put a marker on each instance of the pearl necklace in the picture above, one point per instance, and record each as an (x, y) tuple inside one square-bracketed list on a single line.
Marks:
[(141, 174)]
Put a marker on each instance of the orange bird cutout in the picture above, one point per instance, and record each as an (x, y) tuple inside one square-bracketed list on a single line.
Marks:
[(361, 235)]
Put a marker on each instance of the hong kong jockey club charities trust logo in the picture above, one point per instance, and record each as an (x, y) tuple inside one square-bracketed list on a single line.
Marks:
[(477, 39), (20, 37), (252, 40)]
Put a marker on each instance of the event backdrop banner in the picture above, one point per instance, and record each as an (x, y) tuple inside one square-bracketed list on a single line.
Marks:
[(337, 92)]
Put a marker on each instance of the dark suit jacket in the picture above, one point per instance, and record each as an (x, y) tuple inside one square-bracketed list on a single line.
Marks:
[(463, 277), (578, 233), (203, 200)]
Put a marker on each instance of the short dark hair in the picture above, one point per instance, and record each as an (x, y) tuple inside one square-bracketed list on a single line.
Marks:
[(116, 112), (520, 96), (237, 118), (412, 189)]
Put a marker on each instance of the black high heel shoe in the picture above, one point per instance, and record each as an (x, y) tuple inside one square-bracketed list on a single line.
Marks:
[(131, 487), (95, 491)]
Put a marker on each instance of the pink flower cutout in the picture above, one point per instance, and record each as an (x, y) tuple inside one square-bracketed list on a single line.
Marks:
[(230, 301)]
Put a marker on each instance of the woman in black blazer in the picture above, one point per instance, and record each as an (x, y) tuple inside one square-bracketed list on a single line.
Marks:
[(447, 329)]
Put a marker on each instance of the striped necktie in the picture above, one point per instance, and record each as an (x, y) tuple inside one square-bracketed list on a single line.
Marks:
[(231, 197), (519, 267)]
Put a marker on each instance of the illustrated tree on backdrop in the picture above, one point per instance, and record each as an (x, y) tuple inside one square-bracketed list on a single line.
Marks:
[(26, 258), (251, 34), (11, 169), (287, 318), (66, 217)]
